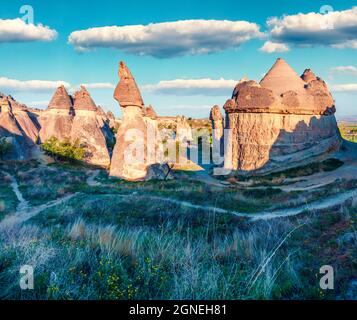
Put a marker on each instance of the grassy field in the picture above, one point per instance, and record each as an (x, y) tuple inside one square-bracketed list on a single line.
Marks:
[(112, 241)]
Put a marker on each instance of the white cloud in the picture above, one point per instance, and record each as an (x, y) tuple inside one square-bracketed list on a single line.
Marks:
[(188, 87), (12, 85), (344, 70), (347, 87), (16, 30), (271, 47), (98, 85), (336, 29), (168, 39)]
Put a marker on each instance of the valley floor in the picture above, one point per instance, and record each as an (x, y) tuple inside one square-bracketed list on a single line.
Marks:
[(195, 237)]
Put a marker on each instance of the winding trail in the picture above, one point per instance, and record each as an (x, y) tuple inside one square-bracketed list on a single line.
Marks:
[(23, 204), (325, 203), (23, 210), (27, 213)]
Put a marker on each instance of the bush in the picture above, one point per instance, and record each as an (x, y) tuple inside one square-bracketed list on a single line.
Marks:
[(5, 147), (64, 150)]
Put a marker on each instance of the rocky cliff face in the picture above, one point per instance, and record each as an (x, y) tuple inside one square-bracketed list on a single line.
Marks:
[(18, 129), (283, 121)]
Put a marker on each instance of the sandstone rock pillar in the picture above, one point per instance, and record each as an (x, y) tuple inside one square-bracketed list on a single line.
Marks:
[(129, 154)]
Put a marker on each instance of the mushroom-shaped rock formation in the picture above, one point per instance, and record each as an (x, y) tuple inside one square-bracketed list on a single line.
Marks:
[(283, 121), (127, 92), (134, 153)]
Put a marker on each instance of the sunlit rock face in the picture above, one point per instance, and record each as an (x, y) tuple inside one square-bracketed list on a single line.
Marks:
[(77, 118), (18, 129), (283, 121), (57, 120), (134, 152), (86, 128)]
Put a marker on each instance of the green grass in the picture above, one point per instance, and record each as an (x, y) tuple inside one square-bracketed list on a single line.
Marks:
[(8, 200), (102, 247), (114, 242)]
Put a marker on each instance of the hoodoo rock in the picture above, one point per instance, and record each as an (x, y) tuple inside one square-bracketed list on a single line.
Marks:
[(217, 122), (217, 119), (76, 119), (57, 120), (88, 130), (134, 152), (283, 121)]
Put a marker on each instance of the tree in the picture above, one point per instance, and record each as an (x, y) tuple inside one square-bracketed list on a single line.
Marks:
[(64, 150)]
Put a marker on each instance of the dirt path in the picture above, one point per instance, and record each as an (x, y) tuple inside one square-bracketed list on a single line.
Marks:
[(23, 210), (91, 179), (23, 204), (204, 177), (29, 212), (326, 203)]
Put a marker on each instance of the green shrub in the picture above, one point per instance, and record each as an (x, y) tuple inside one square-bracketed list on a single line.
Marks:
[(5, 147), (64, 150)]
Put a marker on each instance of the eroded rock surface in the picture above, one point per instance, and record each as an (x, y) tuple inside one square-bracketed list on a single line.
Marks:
[(77, 118), (18, 130), (283, 121), (57, 120), (134, 152)]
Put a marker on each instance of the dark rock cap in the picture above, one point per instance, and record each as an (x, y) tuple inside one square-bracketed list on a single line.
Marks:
[(127, 92)]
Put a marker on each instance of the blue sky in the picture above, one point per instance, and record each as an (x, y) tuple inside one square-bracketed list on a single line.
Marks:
[(229, 54)]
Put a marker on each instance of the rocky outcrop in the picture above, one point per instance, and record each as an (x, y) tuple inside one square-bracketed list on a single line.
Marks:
[(87, 129), (77, 118), (134, 154), (17, 128), (57, 120), (283, 121), (150, 112), (183, 129), (217, 122)]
